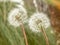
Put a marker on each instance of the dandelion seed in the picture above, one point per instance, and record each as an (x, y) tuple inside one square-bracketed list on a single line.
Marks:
[(38, 19), (16, 16)]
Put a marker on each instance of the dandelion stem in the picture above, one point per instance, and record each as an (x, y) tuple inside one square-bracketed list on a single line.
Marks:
[(24, 33), (45, 36)]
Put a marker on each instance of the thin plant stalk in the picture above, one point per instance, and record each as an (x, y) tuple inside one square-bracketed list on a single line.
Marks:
[(24, 33), (45, 36)]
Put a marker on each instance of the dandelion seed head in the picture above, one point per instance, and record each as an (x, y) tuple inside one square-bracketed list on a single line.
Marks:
[(16, 16), (38, 19)]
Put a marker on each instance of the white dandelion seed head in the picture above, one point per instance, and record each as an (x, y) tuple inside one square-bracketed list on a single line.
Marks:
[(16, 16), (38, 19)]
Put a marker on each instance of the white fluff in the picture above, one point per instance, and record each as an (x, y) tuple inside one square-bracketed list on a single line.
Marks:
[(36, 17), (21, 13)]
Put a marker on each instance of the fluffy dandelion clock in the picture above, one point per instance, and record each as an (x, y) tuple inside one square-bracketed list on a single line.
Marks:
[(38, 19), (16, 16)]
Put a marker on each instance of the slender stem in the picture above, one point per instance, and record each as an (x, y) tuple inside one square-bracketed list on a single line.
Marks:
[(45, 36), (24, 33)]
